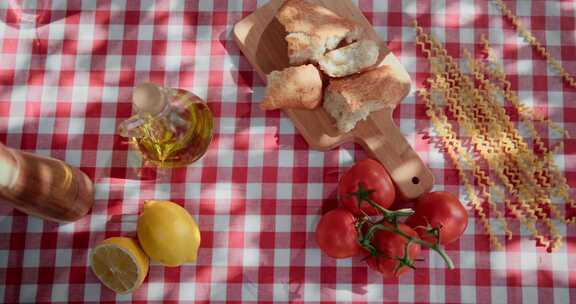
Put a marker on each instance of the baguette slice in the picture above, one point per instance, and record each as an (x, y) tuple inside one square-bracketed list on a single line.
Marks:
[(313, 30), (294, 87), (350, 59), (353, 98)]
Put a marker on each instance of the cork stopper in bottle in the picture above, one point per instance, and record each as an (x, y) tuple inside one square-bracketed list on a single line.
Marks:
[(148, 98)]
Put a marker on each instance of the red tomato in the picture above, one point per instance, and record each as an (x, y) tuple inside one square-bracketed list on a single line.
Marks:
[(367, 179), (441, 210), (336, 234), (392, 246)]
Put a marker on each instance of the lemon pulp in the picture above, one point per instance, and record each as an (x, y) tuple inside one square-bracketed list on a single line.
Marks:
[(119, 263)]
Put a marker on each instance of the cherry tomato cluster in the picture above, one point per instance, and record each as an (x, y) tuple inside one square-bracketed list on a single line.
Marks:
[(365, 223)]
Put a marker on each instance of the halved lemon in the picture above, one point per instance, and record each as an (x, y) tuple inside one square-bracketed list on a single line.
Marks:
[(120, 264)]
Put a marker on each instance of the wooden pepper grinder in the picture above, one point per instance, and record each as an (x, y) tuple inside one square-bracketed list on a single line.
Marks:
[(44, 187)]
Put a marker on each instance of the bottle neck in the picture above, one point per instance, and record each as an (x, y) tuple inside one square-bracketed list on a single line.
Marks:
[(129, 127), (165, 110)]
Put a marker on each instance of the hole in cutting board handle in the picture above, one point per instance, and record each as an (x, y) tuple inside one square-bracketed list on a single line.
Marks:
[(415, 180)]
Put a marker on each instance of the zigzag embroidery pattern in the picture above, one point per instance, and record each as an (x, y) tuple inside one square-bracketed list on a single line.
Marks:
[(528, 179)]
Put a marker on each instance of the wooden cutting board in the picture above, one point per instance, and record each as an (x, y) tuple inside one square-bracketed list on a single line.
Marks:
[(261, 38)]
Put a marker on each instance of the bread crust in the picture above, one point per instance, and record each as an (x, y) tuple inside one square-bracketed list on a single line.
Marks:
[(321, 29), (302, 48), (353, 58), (377, 84), (305, 17), (294, 87)]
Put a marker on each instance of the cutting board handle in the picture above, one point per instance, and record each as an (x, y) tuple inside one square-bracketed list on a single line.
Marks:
[(411, 176)]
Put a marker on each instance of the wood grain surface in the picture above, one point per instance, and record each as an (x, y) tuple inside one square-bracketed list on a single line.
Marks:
[(261, 38)]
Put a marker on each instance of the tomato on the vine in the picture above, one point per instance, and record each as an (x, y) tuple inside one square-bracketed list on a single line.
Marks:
[(365, 183), (440, 211), (336, 234), (392, 260)]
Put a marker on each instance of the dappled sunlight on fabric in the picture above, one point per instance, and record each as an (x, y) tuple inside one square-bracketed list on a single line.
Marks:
[(224, 193), (410, 7), (247, 257), (97, 40), (519, 67), (266, 141), (460, 13), (566, 5), (258, 191), (525, 264)]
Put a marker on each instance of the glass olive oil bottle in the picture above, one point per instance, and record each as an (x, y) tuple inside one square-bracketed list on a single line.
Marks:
[(171, 128)]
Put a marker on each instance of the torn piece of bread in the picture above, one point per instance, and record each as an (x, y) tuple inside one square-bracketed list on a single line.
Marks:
[(303, 48), (352, 98), (350, 59), (293, 87), (313, 30)]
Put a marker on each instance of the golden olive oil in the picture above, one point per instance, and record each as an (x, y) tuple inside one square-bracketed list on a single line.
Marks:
[(178, 136)]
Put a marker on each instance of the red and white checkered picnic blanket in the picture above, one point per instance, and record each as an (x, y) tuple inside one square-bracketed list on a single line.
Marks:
[(65, 83)]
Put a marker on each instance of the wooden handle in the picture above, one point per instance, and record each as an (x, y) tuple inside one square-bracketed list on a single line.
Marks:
[(322, 141), (387, 144)]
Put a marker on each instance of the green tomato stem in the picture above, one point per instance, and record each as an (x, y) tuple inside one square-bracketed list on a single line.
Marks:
[(434, 247), (391, 217)]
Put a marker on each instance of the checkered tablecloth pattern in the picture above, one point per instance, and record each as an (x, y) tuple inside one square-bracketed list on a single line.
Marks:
[(65, 85)]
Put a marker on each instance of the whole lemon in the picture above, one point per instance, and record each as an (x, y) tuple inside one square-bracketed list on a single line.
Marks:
[(168, 233)]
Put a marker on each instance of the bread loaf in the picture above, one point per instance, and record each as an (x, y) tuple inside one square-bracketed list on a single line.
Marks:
[(293, 87), (350, 59), (351, 99), (313, 30)]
